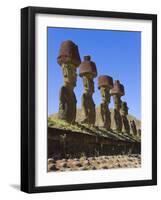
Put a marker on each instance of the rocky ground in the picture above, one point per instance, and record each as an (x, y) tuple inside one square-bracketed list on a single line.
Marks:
[(94, 163)]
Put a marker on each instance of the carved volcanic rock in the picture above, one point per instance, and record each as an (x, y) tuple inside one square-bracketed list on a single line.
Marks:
[(118, 89), (87, 67), (69, 53), (105, 81)]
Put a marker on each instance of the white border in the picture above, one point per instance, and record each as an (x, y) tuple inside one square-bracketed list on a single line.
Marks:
[(54, 178)]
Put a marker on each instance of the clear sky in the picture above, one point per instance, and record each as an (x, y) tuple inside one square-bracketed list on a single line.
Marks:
[(116, 53)]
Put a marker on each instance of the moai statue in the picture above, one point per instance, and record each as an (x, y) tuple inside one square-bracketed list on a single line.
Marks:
[(139, 132), (117, 91), (105, 83), (125, 121), (88, 72), (69, 60), (133, 127)]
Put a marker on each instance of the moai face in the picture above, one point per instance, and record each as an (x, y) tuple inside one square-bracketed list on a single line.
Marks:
[(88, 84), (105, 94), (70, 75), (117, 102)]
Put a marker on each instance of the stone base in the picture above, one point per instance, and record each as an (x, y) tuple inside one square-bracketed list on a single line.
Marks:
[(64, 144)]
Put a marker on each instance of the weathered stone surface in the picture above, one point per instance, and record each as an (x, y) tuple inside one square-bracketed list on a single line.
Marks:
[(67, 105), (133, 127), (88, 71), (88, 107), (69, 54), (126, 126), (117, 91), (69, 59), (88, 67), (76, 144), (105, 116), (105, 83), (139, 132), (117, 120), (125, 122)]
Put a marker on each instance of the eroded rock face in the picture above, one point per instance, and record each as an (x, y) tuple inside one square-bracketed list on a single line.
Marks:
[(117, 120), (139, 132), (105, 83), (117, 115), (125, 122), (68, 53), (88, 107), (67, 105), (67, 98), (69, 60), (87, 72), (133, 127), (117, 91)]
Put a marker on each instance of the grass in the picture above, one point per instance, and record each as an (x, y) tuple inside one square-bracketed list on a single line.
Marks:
[(54, 122)]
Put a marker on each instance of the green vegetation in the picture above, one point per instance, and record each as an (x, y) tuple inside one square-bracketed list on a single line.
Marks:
[(54, 122), (58, 123)]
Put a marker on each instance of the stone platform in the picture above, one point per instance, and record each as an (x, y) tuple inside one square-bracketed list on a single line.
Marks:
[(67, 144)]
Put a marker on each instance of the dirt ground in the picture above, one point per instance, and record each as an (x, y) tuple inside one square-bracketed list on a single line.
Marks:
[(94, 163)]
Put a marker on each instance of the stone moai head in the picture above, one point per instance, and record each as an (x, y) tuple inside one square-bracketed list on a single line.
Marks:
[(69, 60), (117, 91), (124, 108), (105, 83), (88, 72)]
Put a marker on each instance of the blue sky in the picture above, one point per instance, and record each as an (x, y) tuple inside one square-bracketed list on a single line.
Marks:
[(116, 53)]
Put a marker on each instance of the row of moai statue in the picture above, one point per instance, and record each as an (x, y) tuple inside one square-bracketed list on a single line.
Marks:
[(69, 60)]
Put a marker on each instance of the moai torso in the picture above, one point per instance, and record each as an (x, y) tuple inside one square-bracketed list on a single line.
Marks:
[(126, 127), (117, 91), (133, 127), (67, 105), (88, 107), (117, 120), (105, 115), (139, 132), (125, 122)]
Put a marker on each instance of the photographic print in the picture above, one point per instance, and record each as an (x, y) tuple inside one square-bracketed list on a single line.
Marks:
[(94, 91), (88, 93)]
